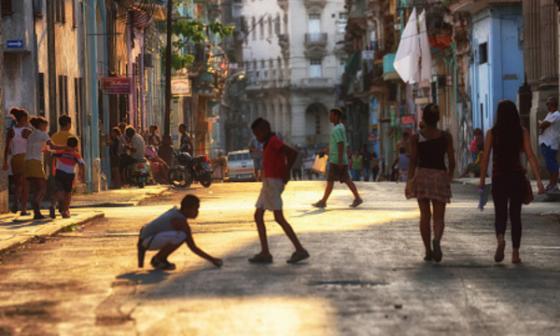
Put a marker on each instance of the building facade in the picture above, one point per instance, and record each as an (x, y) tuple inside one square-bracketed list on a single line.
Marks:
[(291, 64)]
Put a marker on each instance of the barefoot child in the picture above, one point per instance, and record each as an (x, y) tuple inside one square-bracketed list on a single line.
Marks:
[(66, 161), (278, 160), (167, 232)]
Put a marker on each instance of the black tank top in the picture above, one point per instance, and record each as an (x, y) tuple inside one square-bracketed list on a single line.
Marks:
[(507, 159), (431, 152)]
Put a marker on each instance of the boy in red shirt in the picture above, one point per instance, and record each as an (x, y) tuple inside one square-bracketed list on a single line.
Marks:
[(278, 160)]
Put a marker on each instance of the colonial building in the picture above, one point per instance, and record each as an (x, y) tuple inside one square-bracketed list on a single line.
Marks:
[(292, 67)]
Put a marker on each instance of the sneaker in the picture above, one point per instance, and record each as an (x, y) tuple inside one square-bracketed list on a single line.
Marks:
[(161, 265), (298, 256), (356, 203), (261, 259), (320, 205)]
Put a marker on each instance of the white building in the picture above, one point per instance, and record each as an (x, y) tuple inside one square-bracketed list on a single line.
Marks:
[(291, 58)]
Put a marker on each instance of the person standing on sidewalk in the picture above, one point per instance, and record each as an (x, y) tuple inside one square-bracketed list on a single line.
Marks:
[(430, 179), (278, 160), (16, 146), (507, 139), (338, 161), (549, 141)]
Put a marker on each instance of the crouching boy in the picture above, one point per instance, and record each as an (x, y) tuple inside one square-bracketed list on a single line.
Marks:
[(167, 232)]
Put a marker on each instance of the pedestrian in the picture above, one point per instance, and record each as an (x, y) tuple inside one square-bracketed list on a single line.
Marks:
[(60, 138), (185, 141), (357, 166), (134, 151), (166, 233), (165, 150), (549, 141), (115, 152), (374, 167), (366, 162), (404, 164), (506, 140), (338, 161), (431, 178), (153, 138), (278, 159), (34, 162), (256, 151), (404, 143), (16, 148), (66, 161), (477, 144)]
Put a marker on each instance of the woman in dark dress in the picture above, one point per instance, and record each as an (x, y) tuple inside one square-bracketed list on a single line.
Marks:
[(506, 140), (430, 181)]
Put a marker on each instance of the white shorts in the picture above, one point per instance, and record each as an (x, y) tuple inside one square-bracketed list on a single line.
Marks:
[(164, 238), (270, 197)]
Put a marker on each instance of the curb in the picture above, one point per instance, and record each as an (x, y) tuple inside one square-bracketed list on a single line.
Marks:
[(25, 238)]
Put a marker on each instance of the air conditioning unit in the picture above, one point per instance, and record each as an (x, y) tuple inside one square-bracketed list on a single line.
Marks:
[(38, 8)]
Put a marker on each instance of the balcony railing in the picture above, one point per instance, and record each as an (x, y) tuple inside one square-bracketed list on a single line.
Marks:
[(316, 39), (317, 83)]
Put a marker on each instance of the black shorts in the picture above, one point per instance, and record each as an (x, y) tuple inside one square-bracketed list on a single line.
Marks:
[(64, 181), (338, 173)]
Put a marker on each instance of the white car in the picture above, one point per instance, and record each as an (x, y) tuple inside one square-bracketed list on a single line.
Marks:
[(240, 166)]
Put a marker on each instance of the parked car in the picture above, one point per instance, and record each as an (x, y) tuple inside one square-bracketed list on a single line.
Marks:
[(240, 166)]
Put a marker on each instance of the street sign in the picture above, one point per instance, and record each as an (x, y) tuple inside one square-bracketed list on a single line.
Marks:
[(14, 44), (116, 85), (181, 87)]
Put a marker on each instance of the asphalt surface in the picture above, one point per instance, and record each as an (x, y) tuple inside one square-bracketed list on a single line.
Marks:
[(365, 276)]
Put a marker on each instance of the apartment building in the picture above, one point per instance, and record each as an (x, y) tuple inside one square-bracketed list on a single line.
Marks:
[(292, 64)]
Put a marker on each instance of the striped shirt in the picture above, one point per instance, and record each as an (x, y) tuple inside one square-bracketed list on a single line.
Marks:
[(66, 161)]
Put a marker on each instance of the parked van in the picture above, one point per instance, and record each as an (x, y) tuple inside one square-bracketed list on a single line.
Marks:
[(240, 166)]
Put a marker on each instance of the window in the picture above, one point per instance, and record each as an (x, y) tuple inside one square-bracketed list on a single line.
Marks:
[(63, 95), (271, 63), (60, 11), (7, 8), (317, 123), (483, 53), (285, 23), (277, 24), (315, 68), (314, 24), (263, 64), (41, 93), (261, 28), (269, 26), (79, 103), (253, 28), (279, 61)]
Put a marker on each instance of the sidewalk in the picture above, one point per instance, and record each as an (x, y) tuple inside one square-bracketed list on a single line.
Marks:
[(16, 230)]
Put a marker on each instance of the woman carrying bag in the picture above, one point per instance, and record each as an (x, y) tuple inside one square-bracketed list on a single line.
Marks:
[(510, 187)]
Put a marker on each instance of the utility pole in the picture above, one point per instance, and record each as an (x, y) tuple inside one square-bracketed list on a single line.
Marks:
[(51, 59), (168, 58)]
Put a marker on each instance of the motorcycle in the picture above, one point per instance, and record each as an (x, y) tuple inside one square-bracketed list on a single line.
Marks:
[(187, 169), (139, 173)]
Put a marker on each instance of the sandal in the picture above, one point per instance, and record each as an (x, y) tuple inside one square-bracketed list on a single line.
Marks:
[(320, 204), (515, 258), (436, 254), (499, 255), (428, 256), (261, 259), (356, 203), (298, 256)]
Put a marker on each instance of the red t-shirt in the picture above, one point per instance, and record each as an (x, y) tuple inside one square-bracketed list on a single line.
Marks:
[(274, 159)]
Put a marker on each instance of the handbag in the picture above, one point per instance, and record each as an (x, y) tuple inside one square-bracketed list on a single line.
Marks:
[(527, 191), (320, 164)]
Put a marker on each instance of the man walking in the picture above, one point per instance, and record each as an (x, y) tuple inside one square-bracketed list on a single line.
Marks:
[(549, 141), (338, 161)]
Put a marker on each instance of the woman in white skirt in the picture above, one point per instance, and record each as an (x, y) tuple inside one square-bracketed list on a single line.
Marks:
[(430, 179)]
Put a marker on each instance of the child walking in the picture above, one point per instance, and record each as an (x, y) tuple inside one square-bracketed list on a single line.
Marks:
[(167, 232), (66, 161), (278, 160), (34, 162)]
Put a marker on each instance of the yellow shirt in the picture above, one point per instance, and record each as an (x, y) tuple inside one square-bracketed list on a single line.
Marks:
[(60, 138)]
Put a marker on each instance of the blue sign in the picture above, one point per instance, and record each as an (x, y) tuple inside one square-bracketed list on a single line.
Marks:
[(14, 44)]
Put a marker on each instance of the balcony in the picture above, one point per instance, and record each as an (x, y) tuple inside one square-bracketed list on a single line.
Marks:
[(314, 6), (316, 45), (318, 83)]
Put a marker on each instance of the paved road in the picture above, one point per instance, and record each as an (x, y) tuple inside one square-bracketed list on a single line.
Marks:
[(366, 275)]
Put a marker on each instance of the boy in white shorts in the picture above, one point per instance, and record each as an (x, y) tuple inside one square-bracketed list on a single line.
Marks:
[(278, 160), (167, 232)]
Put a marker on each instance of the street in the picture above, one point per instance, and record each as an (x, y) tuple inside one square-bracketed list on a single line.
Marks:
[(365, 276)]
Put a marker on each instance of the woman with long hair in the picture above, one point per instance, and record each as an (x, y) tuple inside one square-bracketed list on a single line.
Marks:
[(506, 140), (430, 178)]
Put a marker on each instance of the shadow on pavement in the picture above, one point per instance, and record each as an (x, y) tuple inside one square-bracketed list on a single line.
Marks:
[(145, 278)]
